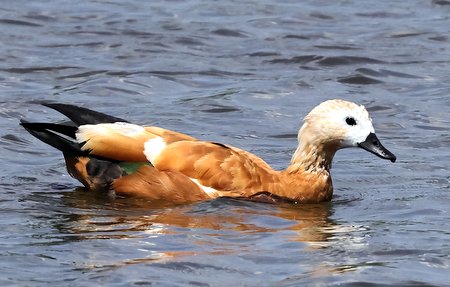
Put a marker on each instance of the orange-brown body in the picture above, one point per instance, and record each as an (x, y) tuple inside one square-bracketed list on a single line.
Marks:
[(226, 170), (177, 168)]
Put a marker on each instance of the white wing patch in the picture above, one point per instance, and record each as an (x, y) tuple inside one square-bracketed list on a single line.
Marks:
[(208, 190), (86, 132), (153, 147)]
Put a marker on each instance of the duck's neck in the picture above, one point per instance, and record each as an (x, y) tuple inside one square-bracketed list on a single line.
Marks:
[(312, 154), (311, 158), (308, 178)]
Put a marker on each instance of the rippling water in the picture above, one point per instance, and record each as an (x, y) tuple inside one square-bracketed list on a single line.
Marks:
[(243, 73)]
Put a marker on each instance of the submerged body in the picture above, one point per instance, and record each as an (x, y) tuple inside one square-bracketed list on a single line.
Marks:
[(109, 154)]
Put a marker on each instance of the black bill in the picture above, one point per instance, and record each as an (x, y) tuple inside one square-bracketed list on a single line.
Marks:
[(372, 144)]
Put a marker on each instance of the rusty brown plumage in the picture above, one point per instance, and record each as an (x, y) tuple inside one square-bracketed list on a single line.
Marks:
[(183, 169), (159, 186), (125, 143), (223, 170)]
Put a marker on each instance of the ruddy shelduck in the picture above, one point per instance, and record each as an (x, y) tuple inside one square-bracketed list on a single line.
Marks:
[(106, 153)]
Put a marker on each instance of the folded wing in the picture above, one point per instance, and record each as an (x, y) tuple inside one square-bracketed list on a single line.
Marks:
[(218, 170), (123, 141)]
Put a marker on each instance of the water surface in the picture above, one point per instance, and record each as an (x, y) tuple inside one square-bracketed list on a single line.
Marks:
[(242, 73)]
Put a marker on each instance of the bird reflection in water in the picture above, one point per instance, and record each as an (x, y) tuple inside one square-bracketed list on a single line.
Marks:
[(222, 226)]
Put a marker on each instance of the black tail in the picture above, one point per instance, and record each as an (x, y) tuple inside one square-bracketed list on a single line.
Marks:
[(83, 116), (96, 173), (58, 136), (61, 136)]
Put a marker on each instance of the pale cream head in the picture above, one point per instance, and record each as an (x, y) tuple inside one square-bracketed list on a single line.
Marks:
[(337, 122)]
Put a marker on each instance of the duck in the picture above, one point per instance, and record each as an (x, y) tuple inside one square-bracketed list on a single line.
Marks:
[(109, 154)]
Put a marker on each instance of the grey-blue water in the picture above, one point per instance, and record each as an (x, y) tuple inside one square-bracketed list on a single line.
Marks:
[(242, 73)]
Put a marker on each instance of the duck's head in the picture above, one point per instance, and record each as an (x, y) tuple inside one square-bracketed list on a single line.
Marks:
[(336, 124)]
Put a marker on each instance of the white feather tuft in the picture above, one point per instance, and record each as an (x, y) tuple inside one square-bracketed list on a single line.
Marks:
[(86, 132), (153, 148), (208, 190)]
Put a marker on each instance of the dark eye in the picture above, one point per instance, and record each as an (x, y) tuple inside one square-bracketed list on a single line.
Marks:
[(350, 121)]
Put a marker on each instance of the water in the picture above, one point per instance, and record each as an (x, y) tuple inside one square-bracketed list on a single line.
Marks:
[(242, 73)]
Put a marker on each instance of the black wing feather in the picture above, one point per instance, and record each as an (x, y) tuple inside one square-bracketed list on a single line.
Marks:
[(83, 116), (51, 134)]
